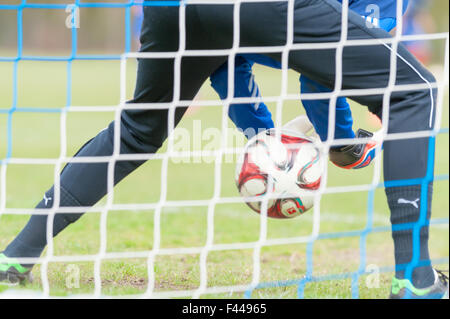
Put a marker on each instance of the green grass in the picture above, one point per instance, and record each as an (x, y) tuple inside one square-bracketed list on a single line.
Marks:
[(37, 135)]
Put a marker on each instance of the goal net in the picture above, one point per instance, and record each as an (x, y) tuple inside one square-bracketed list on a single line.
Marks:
[(177, 226)]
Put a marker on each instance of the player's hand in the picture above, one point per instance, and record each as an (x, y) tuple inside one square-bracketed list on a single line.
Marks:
[(357, 155), (303, 125)]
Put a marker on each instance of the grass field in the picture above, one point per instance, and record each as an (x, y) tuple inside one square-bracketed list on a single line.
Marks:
[(37, 135)]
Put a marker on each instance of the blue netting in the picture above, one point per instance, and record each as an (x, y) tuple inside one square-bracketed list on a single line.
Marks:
[(308, 277)]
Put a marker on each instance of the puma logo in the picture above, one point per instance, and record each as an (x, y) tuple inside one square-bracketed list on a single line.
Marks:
[(405, 201), (47, 199)]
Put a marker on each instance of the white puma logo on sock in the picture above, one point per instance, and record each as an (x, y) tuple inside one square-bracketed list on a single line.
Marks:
[(46, 199), (405, 201)]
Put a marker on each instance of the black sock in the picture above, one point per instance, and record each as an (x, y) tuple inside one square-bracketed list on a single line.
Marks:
[(404, 203), (32, 240)]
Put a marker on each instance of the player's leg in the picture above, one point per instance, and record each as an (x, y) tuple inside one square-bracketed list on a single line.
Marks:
[(142, 131), (409, 111), (250, 118), (363, 67)]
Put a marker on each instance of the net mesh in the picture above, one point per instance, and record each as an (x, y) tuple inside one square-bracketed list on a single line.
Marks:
[(210, 246)]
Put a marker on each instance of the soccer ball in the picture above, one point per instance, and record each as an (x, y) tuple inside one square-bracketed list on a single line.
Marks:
[(289, 164)]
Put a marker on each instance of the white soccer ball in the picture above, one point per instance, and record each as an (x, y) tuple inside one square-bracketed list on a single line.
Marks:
[(289, 165)]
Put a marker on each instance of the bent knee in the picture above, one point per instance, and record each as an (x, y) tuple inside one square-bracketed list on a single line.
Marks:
[(139, 138)]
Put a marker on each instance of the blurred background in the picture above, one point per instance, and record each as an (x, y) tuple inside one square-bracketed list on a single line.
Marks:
[(102, 29), (43, 88)]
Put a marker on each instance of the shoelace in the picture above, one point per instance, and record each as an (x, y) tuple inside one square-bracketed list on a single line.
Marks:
[(442, 277)]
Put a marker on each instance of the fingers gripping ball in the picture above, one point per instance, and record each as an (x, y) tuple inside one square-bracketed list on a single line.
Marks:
[(279, 173)]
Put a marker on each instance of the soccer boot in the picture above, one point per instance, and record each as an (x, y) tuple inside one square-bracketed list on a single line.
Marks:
[(13, 273), (354, 156), (404, 289)]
